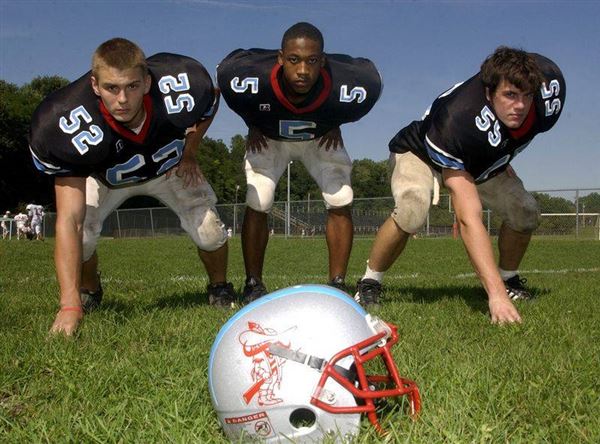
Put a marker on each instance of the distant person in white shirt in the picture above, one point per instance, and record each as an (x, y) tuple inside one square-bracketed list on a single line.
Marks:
[(5, 225), (36, 216), (21, 220)]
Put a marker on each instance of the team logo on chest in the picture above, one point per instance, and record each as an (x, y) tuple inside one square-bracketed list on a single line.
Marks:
[(119, 145), (264, 107)]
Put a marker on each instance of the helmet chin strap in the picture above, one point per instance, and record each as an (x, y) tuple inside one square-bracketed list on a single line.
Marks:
[(311, 361)]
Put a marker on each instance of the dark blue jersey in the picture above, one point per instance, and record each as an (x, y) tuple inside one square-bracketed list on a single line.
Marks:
[(462, 132), (250, 79), (72, 133)]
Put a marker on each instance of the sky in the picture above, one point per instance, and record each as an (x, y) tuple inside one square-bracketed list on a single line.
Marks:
[(420, 48)]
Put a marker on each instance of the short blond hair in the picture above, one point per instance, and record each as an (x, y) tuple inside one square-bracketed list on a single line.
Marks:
[(118, 53)]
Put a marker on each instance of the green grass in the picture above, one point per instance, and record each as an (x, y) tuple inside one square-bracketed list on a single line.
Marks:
[(137, 369)]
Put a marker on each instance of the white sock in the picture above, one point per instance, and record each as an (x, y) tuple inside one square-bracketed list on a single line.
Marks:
[(505, 275), (372, 274)]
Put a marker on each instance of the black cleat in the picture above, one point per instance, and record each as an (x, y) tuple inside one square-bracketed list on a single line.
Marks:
[(221, 295), (90, 300), (515, 288), (253, 289), (338, 282), (368, 292)]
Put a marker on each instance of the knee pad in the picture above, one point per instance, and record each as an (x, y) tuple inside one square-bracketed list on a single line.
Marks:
[(341, 198), (412, 206), (206, 229), (524, 217), (261, 192), (91, 233)]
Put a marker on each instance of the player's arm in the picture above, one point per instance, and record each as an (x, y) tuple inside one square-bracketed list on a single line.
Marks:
[(256, 140), (188, 167), (68, 253), (467, 206)]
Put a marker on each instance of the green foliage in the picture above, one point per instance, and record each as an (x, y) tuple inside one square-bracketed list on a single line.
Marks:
[(370, 178), (137, 370), (550, 204), (19, 180), (591, 203)]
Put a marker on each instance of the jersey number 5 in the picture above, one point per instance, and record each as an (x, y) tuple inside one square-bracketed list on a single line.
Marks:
[(357, 93), (241, 86)]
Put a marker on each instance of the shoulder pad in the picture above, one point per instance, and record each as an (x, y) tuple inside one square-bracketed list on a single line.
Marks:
[(183, 86), (355, 72), (67, 130), (242, 64), (550, 99)]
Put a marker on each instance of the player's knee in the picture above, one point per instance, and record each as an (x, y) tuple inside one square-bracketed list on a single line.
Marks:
[(525, 217), (341, 198), (262, 205), (412, 206), (209, 233), (91, 233), (260, 194)]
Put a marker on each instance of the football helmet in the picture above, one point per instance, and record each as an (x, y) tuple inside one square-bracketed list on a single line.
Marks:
[(291, 365)]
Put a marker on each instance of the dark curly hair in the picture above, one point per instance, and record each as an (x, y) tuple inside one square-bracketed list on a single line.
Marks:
[(513, 65)]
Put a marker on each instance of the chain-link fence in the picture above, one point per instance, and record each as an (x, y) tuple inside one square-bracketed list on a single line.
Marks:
[(563, 214)]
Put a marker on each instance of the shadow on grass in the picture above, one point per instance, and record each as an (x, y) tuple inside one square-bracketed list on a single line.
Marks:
[(474, 297), (187, 299), (126, 308)]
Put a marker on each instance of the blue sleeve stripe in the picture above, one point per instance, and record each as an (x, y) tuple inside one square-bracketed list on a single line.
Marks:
[(210, 112), (442, 158), (46, 167)]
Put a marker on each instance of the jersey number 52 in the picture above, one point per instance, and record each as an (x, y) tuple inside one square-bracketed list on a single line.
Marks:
[(83, 139)]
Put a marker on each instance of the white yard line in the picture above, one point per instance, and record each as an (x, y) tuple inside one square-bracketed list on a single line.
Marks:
[(317, 278)]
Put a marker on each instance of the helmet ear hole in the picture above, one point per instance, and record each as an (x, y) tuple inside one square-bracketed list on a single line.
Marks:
[(303, 418)]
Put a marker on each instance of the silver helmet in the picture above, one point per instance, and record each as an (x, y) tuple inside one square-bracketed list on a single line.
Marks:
[(291, 365)]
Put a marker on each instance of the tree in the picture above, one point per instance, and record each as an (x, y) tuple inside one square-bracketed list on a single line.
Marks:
[(550, 204), (370, 178), (591, 203), (20, 182)]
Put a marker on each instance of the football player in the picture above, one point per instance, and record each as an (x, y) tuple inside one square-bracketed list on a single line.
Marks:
[(36, 216), (5, 226), (294, 101), (21, 220), (468, 139), (131, 126)]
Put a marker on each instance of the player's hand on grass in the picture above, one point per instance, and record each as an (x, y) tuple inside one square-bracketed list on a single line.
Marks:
[(256, 140), (332, 139), (502, 311), (67, 320)]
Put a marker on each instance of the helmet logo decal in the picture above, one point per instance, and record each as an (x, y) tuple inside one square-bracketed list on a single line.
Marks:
[(266, 369)]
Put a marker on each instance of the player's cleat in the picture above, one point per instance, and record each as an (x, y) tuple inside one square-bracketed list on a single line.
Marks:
[(515, 288), (221, 295), (253, 289), (338, 282), (90, 300), (368, 292)]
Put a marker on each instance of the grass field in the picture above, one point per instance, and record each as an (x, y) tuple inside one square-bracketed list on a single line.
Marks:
[(137, 370)]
